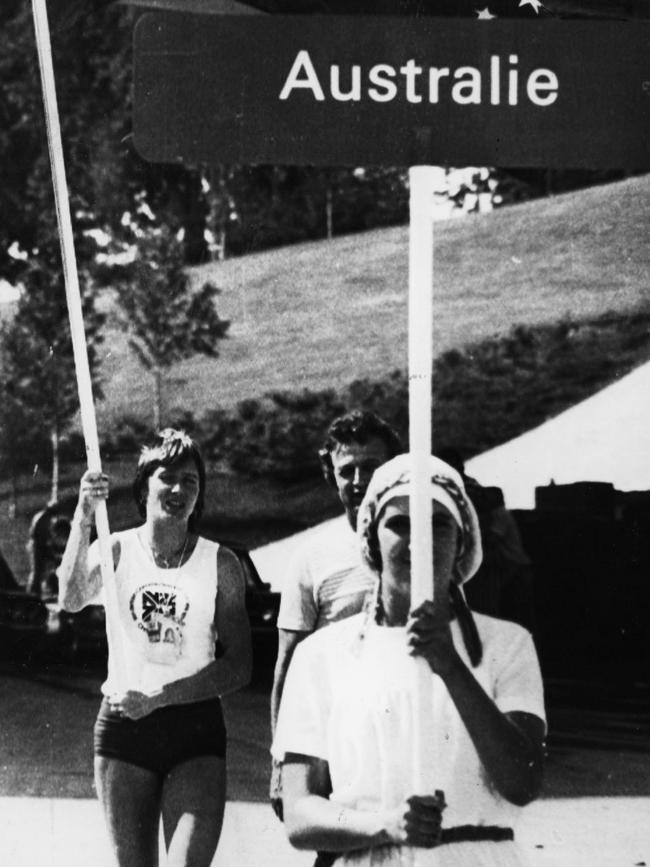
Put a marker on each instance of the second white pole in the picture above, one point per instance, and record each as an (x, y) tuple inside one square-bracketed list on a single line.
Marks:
[(420, 344)]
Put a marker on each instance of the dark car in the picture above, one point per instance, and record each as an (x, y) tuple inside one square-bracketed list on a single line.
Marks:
[(262, 603), (23, 615), (84, 632)]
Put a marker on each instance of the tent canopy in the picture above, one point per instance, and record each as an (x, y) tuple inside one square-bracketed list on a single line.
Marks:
[(606, 438)]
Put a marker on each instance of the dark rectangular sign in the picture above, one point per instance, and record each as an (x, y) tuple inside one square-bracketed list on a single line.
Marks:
[(393, 91)]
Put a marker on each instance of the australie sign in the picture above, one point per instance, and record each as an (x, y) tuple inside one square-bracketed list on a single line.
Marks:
[(393, 91)]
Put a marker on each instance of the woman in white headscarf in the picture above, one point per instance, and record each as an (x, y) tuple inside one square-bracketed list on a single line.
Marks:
[(346, 724)]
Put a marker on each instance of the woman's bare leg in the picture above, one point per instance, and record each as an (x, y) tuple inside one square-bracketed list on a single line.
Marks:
[(130, 797), (193, 802)]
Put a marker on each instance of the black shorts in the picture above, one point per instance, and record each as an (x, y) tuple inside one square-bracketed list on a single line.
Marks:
[(164, 738)]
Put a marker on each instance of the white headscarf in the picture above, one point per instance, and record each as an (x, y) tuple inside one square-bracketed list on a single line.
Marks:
[(391, 480)]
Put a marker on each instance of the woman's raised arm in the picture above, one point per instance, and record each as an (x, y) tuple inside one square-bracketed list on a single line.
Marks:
[(80, 576)]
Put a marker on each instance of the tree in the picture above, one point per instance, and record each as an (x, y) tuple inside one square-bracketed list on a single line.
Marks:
[(21, 440), (248, 208), (38, 372), (90, 44), (167, 321)]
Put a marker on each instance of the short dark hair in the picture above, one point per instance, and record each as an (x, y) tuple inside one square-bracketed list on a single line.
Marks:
[(169, 447), (358, 426)]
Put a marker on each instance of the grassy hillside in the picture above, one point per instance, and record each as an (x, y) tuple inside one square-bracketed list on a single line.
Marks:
[(325, 313)]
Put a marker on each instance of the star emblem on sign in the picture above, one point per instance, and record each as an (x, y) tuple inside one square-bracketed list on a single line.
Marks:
[(536, 4), (484, 14)]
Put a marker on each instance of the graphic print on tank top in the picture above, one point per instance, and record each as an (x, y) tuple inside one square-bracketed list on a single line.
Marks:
[(159, 610)]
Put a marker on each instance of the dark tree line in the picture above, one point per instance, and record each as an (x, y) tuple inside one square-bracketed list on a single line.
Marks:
[(244, 208)]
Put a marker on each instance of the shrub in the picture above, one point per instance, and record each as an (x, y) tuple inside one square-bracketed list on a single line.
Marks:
[(277, 436), (483, 394), (126, 437)]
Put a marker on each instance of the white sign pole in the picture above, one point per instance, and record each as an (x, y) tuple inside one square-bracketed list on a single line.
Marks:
[(73, 294), (420, 342)]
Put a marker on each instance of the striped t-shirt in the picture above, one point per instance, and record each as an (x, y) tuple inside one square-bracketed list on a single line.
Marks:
[(326, 580)]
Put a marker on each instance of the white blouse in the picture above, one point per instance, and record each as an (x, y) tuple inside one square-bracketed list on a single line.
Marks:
[(350, 701)]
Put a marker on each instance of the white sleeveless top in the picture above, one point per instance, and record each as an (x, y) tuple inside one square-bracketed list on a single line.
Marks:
[(165, 628)]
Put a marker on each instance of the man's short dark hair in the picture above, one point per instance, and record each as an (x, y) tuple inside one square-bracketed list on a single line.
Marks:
[(358, 426)]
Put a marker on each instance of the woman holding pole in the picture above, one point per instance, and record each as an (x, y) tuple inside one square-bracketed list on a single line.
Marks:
[(160, 740), (347, 715)]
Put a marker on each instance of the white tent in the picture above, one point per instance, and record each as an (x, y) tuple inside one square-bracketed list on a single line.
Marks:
[(606, 438)]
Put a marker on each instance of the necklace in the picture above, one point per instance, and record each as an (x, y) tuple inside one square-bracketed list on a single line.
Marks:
[(167, 561)]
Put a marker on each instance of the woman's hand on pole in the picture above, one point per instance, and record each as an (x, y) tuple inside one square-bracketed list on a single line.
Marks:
[(417, 821), (510, 745), (80, 580), (428, 634), (93, 490)]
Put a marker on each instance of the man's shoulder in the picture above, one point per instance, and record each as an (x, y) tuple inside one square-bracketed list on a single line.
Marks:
[(333, 529), (333, 537)]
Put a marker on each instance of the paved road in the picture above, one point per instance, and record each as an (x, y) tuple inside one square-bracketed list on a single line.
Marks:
[(595, 812)]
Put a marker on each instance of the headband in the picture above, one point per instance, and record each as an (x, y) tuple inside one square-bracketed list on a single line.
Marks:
[(391, 480)]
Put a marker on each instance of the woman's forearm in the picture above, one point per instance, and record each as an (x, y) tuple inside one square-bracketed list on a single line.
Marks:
[(218, 678), (512, 759), (315, 822), (213, 681), (79, 582), (76, 585)]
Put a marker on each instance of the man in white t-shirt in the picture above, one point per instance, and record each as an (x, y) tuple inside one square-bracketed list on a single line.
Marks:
[(326, 579)]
